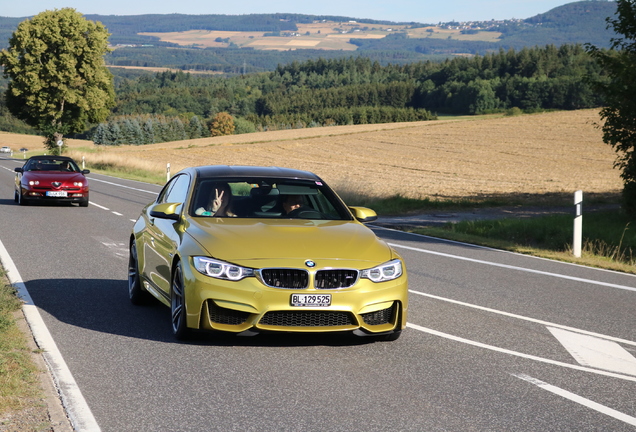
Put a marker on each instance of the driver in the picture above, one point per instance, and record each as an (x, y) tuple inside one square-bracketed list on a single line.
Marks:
[(292, 202), (294, 205)]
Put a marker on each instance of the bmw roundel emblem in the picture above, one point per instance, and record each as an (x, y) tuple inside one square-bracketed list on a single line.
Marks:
[(310, 263)]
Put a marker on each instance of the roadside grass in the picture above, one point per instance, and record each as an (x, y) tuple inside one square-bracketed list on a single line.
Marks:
[(609, 237), (119, 166), (400, 205), (19, 381)]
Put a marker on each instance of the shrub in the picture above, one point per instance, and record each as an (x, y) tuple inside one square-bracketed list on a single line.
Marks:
[(222, 124)]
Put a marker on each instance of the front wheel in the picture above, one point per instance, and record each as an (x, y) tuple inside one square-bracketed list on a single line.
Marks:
[(178, 306), (137, 294), (21, 200)]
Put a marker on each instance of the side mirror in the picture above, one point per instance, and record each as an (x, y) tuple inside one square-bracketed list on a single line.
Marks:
[(166, 211), (363, 214), (86, 171), (18, 169)]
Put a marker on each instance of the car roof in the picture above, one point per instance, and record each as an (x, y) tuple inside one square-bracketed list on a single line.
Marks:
[(254, 172), (50, 157)]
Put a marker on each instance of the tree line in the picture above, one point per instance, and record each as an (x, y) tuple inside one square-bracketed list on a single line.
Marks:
[(350, 90), (357, 90)]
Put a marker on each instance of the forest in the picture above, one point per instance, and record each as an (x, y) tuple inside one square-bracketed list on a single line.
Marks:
[(392, 79), (354, 90), (350, 90)]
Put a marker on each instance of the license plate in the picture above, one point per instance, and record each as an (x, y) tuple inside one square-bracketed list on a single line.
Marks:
[(304, 300), (56, 194)]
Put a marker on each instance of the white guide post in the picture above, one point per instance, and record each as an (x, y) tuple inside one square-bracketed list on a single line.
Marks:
[(168, 172), (578, 223)]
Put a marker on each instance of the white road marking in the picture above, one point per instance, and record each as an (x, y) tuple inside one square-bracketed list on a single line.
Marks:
[(106, 208), (594, 352), (521, 317), (99, 206), (579, 399), (118, 248), (518, 354), (124, 186), (523, 269), (77, 409)]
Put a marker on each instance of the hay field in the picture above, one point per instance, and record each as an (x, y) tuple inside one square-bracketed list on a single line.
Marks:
[(327, 35), (467, 157), (443, 33)]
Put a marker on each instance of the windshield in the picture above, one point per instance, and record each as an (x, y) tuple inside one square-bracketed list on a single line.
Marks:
[(267, 198), (61, 165)]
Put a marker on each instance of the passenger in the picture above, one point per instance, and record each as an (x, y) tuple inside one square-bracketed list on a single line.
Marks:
[(65, 166), (220, 202)]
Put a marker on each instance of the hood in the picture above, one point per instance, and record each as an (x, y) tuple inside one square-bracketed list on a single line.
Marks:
[(47, 177), (242, 241)]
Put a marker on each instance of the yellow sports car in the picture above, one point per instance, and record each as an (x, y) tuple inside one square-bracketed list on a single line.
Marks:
[(252, 249)]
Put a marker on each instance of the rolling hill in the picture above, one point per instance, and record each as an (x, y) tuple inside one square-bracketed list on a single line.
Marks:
[(259, 42)]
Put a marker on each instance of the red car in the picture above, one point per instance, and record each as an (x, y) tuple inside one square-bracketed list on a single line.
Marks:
[(51, 179)]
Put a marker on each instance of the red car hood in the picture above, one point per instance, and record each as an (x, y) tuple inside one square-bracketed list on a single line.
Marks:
[(46, 178)]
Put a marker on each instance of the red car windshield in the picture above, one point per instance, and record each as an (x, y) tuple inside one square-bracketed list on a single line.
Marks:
[(59, 165)]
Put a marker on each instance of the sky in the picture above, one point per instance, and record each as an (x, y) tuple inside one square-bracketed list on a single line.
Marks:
[(422, 11)]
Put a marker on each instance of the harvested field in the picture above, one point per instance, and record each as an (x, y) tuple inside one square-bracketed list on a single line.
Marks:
[(468, 157), (328, 35)]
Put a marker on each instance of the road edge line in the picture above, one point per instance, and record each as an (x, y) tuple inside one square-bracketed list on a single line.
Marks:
[(73, 401)]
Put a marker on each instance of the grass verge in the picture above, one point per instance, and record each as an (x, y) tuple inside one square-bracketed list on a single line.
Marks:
[(609, 238), (21, 406)]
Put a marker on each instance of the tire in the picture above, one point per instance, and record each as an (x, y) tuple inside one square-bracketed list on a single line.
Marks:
[(15, 196), (21, 200), (178, 305), (84, 203), (136, 293)]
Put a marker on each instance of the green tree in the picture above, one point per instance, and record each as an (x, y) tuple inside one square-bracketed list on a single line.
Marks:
[(243, 126), (195, 128), (59, 82), (619, 113)]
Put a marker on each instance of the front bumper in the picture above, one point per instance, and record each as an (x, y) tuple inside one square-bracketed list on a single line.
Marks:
[(73, 196), (248, 306)]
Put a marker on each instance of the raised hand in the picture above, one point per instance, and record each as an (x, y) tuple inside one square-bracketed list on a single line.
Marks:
[(218, 200)]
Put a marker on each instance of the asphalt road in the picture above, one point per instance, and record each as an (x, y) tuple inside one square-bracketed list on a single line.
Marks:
[(496, 341)]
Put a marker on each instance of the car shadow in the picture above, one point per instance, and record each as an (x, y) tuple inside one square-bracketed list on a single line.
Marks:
[(102, 305)]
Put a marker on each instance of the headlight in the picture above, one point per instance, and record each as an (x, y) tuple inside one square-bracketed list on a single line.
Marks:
[(385, 272), (80, 184), (34, 182), (220, 269)]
